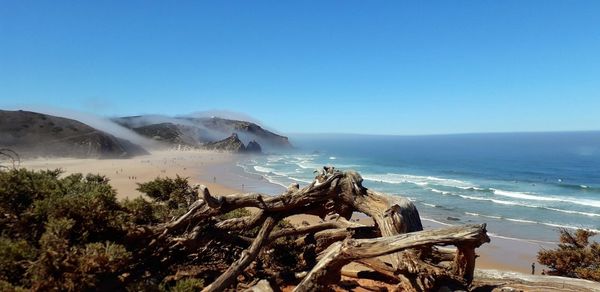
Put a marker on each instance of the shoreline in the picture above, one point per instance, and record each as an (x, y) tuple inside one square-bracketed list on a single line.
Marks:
[(221, 173)]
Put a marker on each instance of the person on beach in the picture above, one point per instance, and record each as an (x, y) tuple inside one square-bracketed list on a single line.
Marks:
[(533, 268)]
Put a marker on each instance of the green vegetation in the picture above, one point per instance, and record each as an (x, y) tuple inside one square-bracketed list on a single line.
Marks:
[(69, 233), (575, 256)]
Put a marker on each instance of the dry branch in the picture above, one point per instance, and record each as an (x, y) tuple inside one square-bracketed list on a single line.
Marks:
[(327, 270), (248, 256)]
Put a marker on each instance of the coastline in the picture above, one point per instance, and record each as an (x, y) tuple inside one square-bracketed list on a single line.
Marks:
[(222, 175)]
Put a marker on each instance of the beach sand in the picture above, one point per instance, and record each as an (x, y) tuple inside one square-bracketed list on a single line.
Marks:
[(219, 172), (124, 174)]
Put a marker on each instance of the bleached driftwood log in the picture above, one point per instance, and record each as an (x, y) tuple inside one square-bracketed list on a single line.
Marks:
[(397, 232), (327, 270)]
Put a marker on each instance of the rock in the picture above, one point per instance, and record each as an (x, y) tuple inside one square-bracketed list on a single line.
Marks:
[(231, 143), (253, 147)]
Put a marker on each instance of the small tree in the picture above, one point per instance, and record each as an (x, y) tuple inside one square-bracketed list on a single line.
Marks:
[(176, 193), (575, 256)]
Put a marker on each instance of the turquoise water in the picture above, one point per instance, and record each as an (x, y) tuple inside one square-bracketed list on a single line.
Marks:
[(523, 185)]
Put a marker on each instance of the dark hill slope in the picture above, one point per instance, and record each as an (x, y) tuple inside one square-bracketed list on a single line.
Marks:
[(35, 134), (170, 133), (201, 130)]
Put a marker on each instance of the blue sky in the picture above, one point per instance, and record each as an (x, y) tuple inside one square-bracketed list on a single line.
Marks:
[(380, 67)]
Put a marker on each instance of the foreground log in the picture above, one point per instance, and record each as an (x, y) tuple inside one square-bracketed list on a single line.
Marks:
[(327, 270), (413, 261)]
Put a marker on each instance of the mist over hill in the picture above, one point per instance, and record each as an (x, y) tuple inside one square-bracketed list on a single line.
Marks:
[(194, 130), (35, 134), (40, 134)]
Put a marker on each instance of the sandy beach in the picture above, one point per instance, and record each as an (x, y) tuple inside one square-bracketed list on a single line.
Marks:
[(219, 172), (124, 174)]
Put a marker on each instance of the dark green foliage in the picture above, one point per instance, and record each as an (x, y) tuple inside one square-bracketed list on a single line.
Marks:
[(73, 268), (58, 232), (575, 256), (15, 256), (176, 193), (237, 213), (28, 199), (185, 285), (142, 211), (69, 233)]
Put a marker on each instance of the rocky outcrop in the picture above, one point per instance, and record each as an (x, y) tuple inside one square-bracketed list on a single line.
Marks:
[(253, 147), (234, 144), (252, 130), (35, 134), (231, 143)]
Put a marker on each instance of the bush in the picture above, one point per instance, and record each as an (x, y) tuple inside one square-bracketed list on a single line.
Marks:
[(71, 234), (185, 285), (575, 256), (167, 189), (142, 211), (14, 258), (73, 268), (176, 193)]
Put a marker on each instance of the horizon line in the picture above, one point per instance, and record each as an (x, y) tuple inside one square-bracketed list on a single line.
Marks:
[(446, 134)]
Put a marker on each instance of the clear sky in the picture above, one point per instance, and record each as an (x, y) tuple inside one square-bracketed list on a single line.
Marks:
[(381, 67)]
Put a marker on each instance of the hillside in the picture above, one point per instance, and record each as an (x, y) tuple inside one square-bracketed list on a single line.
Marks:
[(199, 131), (35, 134), (170, 133)]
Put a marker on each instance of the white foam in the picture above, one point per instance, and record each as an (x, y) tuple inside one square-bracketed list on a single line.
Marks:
[(490, 234), (490, 200), (584, 202), (521, 220), (274, 181), (537, 197), (263, 169), (481, 215), (523, 195), (440, 192), (332, 158), (573, 212), (430, 205), (435, 221), (395, 178), (530, 222)]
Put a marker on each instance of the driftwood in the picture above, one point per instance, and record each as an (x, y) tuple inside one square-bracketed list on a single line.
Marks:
[(411, 257), (10, 155)]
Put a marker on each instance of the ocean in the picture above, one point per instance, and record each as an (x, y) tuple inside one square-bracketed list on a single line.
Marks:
[(523, 185)]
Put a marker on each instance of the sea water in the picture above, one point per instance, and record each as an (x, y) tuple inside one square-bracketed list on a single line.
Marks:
[(524, 185)]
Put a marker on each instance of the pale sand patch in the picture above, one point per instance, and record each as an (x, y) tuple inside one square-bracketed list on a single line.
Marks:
[(124, 174)]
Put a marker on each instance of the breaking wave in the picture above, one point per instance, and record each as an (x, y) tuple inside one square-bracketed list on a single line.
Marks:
[(394, 178)]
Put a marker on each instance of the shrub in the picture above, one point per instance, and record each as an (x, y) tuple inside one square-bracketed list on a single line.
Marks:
[(575, 256), (14, 258), (73, 268), (71, 234), (176, 193), (142, 211), (185, 285)]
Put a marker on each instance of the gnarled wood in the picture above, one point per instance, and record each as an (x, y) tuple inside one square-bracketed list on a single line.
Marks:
[(397, 233), (226, 279), (339, 254)]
